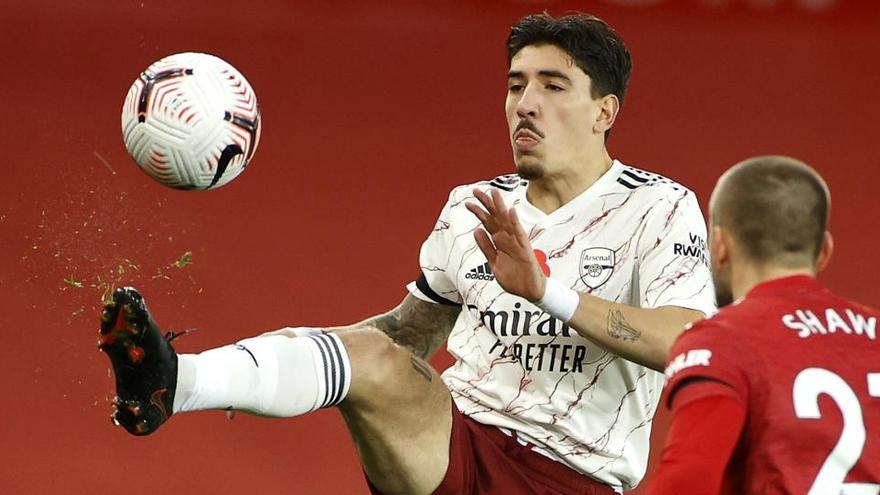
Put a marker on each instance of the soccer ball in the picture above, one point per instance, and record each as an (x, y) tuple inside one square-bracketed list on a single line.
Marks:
[(191, 121)]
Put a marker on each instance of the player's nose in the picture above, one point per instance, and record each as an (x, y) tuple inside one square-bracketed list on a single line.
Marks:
[(528, 105)]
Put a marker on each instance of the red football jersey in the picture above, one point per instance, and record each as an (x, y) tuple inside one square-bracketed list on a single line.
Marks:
[(807, 365)]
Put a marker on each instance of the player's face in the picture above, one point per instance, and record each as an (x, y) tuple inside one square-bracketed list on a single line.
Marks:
[(551, 114)]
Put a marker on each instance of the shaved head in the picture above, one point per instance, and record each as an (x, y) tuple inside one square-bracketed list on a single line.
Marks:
[(775, 211), (775, 207)]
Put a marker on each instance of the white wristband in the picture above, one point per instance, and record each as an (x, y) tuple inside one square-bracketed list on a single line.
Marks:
[(559, 301)]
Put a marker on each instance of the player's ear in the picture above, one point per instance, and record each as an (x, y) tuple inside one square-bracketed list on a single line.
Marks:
[(718, 248), (825, 252), (609, 105)]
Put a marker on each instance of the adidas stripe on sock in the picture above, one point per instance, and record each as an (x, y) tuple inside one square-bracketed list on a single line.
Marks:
[(336, 368)]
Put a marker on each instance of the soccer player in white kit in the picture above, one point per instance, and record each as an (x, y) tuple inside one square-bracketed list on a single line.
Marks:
[(557, 309)]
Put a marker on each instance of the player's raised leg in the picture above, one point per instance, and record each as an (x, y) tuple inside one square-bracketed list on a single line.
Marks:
[(399, 413), (396, 407)]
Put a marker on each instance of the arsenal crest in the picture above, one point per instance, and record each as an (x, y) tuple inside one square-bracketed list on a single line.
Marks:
[(597, 265)]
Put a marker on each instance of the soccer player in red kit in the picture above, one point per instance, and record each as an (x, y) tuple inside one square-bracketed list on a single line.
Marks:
[(779, 392)]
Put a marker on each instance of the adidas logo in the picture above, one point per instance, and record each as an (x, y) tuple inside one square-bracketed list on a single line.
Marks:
[(482, 272)]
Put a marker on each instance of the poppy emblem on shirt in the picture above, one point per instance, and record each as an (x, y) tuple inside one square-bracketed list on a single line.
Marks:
[(597, 265), (541, 256)]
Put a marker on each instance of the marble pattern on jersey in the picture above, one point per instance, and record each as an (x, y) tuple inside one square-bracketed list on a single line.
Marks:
[(520, 369)]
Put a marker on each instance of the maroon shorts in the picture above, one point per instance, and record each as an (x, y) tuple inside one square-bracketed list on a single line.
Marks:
[(483, 460)]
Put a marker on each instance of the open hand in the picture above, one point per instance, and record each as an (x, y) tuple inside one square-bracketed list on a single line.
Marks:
[(506, 245)]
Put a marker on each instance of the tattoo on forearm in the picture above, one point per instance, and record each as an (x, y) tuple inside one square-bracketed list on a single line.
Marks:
[(619, 328), (421, 368), (420, 326)]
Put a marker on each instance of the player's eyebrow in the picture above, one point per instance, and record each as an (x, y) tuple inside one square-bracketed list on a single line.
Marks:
[(518, 74)]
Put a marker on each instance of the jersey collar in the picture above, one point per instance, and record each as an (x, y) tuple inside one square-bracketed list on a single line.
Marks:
[(602, 185)]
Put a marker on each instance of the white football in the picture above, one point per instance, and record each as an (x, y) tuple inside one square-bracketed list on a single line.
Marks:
[(191, 121)]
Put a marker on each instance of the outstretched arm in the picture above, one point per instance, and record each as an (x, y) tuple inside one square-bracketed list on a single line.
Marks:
[(643, 336), (418, 325)]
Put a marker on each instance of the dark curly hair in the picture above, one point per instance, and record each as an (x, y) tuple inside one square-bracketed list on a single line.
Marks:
[(592, 44)]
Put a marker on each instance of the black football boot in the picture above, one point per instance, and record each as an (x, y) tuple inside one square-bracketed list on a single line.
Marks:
[(143, 361)]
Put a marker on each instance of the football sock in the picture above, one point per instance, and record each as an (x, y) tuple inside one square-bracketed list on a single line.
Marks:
[(269, 376)]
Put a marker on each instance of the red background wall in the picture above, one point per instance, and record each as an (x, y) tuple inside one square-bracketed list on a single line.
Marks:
[(372, 112)]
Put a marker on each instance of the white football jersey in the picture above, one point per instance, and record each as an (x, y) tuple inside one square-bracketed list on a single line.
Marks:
[(633, 237)]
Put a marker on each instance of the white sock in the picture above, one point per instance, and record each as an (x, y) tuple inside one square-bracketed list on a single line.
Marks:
[(270, 376)]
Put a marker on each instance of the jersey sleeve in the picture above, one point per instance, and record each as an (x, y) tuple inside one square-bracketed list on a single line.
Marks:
[(709, 352), (673, 260), (700, 443), (435, 282)]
